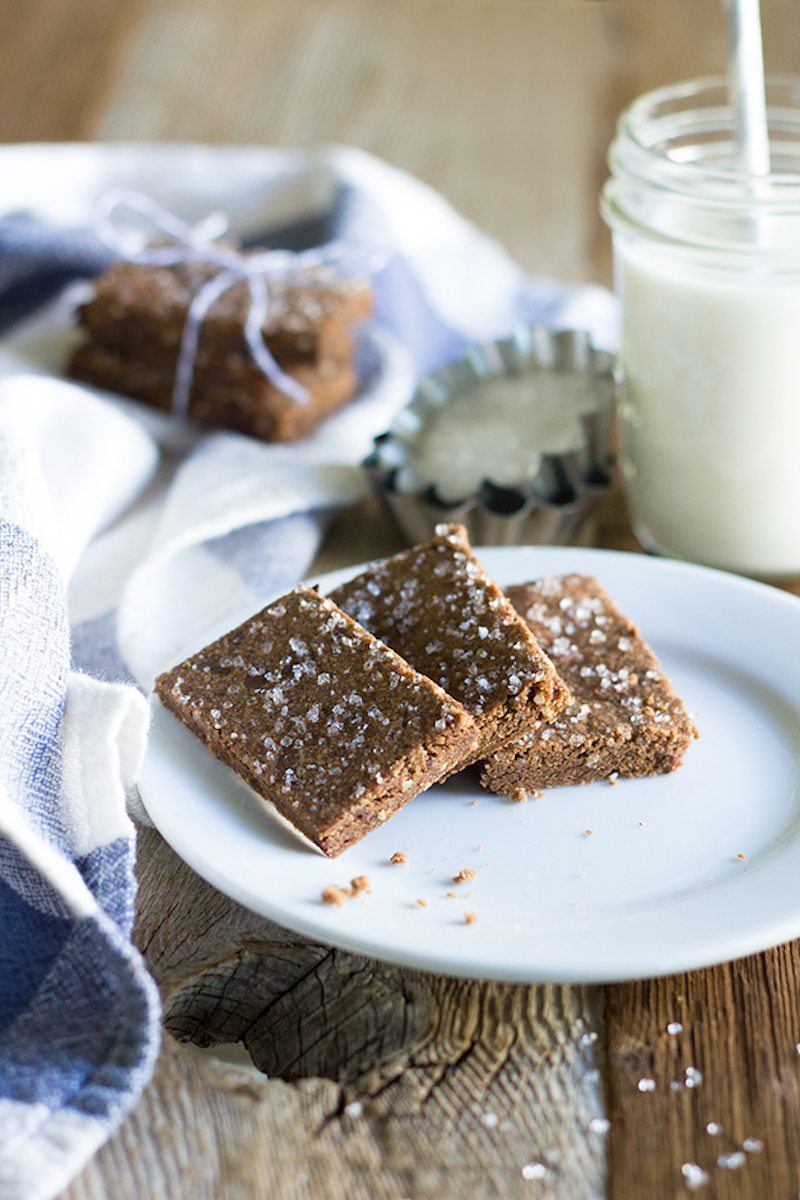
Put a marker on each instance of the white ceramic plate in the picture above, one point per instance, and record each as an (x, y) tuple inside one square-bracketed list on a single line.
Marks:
[(656, 888)]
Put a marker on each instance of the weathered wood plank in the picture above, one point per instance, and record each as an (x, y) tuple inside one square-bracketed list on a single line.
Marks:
[(58, 62), (383, 1082), (504, 107), (741, 1025)]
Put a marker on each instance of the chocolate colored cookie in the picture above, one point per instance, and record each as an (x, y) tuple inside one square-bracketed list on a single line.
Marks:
[(319, 718), (244, 400), (436, 606), (626, 719), (135, 321)]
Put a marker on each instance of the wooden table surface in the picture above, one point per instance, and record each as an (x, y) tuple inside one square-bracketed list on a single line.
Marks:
[(507, 106)]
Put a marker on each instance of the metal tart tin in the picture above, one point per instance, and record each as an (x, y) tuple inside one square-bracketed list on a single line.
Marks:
[(551, 506)]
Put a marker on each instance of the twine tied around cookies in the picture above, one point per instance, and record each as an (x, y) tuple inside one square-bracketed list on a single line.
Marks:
[(260, 271)]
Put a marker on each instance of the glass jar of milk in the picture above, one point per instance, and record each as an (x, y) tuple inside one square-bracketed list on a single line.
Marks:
[(707, 262)]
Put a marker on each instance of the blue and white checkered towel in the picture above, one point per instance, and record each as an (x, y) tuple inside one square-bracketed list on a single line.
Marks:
[(120, 544)]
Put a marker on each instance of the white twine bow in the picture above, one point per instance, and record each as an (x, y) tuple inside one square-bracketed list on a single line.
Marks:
[(196, 243)]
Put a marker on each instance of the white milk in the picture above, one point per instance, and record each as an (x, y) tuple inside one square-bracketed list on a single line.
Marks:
[(711, 411), (708, 268)]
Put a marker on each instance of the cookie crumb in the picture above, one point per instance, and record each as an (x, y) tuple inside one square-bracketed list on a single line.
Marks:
[(333, 894), (741, 857), (520, 794), (450, 895), (422, 903), (471, 918), (398, 857), (464, 875), (588, 832)]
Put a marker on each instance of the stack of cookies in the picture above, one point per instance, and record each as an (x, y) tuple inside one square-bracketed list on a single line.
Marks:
[(340, 710), (136, 317)]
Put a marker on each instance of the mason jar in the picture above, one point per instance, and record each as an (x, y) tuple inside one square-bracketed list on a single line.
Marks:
[(707, 266)]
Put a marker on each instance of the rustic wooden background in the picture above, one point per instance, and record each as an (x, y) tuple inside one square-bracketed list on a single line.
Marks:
[(385, 1084)]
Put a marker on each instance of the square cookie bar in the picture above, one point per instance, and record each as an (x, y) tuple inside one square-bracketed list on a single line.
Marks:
[(134, 322), (436, 606), (319, 717), (626, 719), (240, 397)]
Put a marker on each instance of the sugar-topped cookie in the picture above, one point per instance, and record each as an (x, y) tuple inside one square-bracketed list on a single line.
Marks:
[(626, 719), (437, 607), (319, 717)]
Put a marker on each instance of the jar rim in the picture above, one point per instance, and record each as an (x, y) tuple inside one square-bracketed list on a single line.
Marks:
[(686, 96)]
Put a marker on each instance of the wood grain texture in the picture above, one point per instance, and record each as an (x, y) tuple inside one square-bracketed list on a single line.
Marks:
[(504, 107), (741, 1025), (456, 1085), (58, 63)]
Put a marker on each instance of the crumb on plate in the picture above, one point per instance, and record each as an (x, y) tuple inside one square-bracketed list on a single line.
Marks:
[(359, 886)]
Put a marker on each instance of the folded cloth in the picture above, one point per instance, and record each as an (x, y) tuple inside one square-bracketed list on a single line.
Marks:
[(135, 545)]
